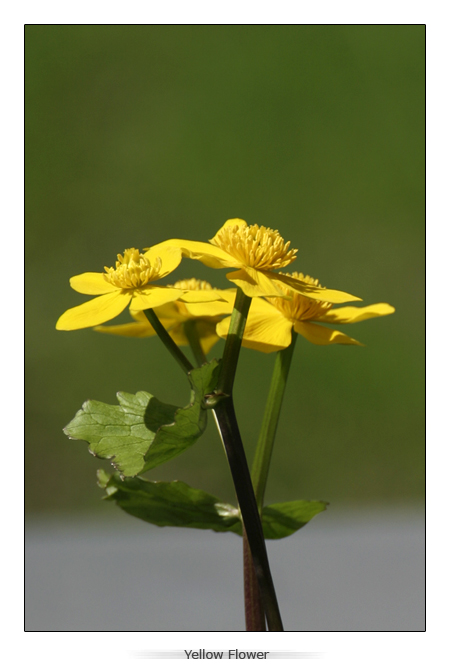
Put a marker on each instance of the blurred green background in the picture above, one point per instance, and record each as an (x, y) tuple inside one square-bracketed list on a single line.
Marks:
[(139, 133)]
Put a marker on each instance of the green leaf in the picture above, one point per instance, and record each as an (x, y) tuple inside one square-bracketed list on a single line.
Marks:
[(171, 504), (189, 422), (283, 519), (177, 504), (142, 432)]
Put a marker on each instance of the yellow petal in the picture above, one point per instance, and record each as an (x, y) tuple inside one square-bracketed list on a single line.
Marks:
[(91, 283), (169, 311), (266, 332), (321, 335), (207, 334), (154, 296), (139, 328), (354, 314), (128, 329), (205, 331), (231, 222), (255, 283), (311, 291), (208, 254), (170, 257), (214, 308), (178, 336), (201, 296), (95, 311)]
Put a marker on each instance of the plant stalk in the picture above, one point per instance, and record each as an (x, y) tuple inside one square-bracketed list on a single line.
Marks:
[(167, 341), (190, 330), (229, 431), (255, 619), (264, 448), (260, 471), (231, 439)]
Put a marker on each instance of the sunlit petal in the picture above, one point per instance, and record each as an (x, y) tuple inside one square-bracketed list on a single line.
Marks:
[(154, 296), (128, 329), (310, 290), (214, 308), (255, 283), (232, 222), (95, 311), (206, 253), (170, 257), (201, 296), (322, 335), (263, 332), (169, 311), (354, 314), (91, 283)]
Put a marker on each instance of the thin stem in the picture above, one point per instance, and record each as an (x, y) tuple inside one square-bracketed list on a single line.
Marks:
[(233, 343), (231, 438), (255, 619), (191, 332), (167, 340), (263, 454)]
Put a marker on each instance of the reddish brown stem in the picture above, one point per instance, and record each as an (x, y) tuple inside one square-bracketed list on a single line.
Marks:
[(254, 611)]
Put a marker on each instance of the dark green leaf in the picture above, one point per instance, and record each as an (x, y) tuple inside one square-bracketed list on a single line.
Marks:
[(177, 504), (189, 423), (283, 519), (170, 504), (142, 432)]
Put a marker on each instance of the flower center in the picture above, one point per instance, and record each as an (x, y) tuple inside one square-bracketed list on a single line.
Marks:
[(256, 246), (132, 270), (192, 285), (300, 308)]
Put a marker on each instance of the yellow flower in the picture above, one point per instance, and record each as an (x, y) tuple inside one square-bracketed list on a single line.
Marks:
[(257, 252), (270, 321), (175, 315), (129, 283)]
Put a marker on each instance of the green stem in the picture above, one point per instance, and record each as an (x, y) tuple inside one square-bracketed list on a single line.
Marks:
[(190, 330), (231, 438), (261, 462), (255, 619), (233, 343), (167, 341)]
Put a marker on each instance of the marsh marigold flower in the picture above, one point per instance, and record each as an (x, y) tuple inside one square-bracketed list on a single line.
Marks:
[(258, 253), (130, 282), (175, 315), (270, 321)]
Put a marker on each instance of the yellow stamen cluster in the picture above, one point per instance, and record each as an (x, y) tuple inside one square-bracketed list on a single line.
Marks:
[(132, 270), (256, 246), (192, 285), (300, 308)]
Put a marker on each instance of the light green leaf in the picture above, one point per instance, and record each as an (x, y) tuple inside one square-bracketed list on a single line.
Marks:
[(177, 504), (142, 432), (283, 519), (170, 504)]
